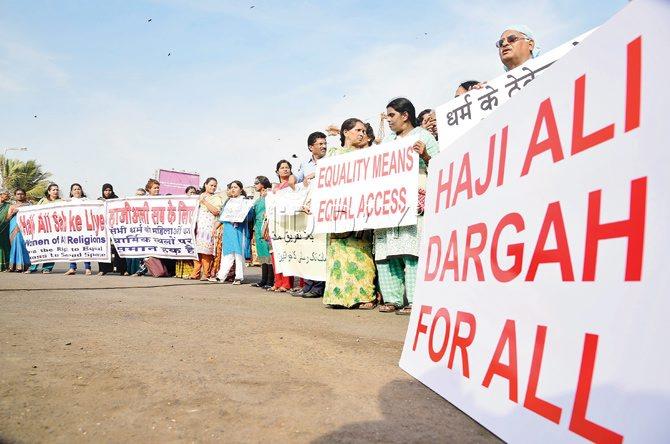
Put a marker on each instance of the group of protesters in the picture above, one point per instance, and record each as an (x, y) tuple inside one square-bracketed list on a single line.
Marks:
[(365, 269)]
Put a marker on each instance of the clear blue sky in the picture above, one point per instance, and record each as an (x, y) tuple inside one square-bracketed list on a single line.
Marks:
[(243, 87)]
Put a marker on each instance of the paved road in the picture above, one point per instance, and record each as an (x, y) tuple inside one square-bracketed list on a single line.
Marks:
[(114, 359)]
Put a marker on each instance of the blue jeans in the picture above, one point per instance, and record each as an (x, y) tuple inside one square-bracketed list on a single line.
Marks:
[(73, 265)]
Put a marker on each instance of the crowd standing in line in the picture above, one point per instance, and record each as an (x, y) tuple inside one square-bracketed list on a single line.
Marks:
[(366, 268)]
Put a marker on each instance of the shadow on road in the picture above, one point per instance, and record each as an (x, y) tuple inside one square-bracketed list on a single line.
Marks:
[(412, 413)]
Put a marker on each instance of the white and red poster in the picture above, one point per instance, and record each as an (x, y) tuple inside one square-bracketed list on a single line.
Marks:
[(65, 231), (160, 226), (375, 187), (462, 113), (542, 305)]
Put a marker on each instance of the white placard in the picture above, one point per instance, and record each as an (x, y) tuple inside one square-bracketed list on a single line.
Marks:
[(65, 231), (158, 226), (462, 113), (541, 307), (236, 209), (298, 251), (374, 187)]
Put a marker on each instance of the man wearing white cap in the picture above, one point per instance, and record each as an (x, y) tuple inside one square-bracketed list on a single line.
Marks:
[(516, 46)]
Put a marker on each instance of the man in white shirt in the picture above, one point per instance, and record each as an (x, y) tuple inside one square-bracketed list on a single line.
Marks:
[(316, 143)]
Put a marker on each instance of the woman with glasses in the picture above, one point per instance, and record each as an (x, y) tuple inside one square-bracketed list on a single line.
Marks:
[(516, 46)]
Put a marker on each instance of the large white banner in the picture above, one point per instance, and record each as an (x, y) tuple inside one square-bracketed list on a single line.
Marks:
[(160, 226), (65, 231), (542, 305), (298, 251), (462, 113), (374, 187)]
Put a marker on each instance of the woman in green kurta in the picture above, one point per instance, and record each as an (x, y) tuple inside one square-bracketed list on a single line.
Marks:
[(5, 246), (351, 268), (397, 249), (262, 185)]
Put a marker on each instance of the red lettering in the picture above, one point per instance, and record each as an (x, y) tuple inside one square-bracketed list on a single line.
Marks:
[(561, 254), (451, 258), (633, 83), (503, 157), (509, 372), (464, 179), (474, 252), (443, 187), (421, 328), (579, 141), (631, 228), (531, 401), (433, 241), (553, 141), (514, 250), (462, 342), (480, 188), (578, 422), (435, 356)]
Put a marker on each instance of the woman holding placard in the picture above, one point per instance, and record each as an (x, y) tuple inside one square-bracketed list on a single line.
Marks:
[(77, 193), (209, 210), (351, 268), (234, 237), (287, 180), (397, 249), (51, 195)]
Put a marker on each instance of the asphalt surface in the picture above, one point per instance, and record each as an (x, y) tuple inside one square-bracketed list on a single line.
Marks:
[(116, 359)]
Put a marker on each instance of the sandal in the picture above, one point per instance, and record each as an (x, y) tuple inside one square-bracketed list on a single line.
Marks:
[(367, 305), (387, 308), (281, 290), (273, 288), (67, 273), (405, 311)]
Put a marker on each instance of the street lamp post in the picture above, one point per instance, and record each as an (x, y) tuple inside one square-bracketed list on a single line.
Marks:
[(4, 159)]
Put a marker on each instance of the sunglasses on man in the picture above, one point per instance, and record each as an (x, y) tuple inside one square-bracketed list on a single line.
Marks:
[(510, 39)]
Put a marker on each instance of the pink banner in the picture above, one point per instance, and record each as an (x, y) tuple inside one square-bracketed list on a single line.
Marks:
[(175, 182)]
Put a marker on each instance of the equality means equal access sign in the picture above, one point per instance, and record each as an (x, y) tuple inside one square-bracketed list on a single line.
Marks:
[(374, 187)]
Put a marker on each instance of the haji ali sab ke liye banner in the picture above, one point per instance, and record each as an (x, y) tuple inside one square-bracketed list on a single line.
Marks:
[(298, 250), (375, 187), (65, 231), (160, 226), (460, 114), (542, 306)]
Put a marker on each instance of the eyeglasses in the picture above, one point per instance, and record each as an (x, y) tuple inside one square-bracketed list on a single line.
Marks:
[(510, 39)]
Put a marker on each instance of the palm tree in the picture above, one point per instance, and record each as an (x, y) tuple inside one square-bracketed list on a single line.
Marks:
[(27, 175)]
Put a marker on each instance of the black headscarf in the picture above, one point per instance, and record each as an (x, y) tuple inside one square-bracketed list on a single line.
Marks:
[(104, 187)]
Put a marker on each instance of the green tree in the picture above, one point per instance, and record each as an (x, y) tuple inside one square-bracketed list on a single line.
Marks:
[(28, 175)]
